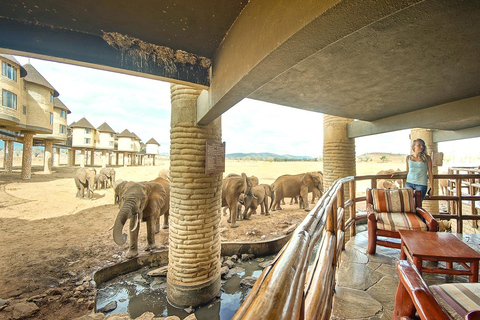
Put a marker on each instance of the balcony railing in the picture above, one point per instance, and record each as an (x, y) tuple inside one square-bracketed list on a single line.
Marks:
[(300, 282)]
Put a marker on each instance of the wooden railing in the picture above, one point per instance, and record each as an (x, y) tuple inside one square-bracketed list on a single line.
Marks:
[(300, 282)]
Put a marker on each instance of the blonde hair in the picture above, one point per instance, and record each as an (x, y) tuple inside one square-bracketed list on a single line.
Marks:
[(423, 154)]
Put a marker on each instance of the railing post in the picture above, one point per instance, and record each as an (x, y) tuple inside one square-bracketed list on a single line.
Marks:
[(353, 209), (459, 205)]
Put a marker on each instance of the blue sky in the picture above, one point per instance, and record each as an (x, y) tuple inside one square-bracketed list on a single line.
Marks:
[(143, 106)]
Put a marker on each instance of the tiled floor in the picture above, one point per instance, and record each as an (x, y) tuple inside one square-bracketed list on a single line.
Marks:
[(366, 284)]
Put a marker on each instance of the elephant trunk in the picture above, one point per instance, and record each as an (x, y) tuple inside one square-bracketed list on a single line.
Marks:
[(273, 198), (122, 217)]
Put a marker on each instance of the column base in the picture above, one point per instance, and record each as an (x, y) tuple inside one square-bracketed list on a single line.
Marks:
[(183, 296)]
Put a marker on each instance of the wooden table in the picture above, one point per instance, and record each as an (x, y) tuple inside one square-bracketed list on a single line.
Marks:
[(418, 246)]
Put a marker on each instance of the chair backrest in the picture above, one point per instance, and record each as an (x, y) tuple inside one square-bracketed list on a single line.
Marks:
[(393, 200)]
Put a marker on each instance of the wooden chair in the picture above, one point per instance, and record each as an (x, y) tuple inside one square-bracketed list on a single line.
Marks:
[(415, 298), (390, 210)]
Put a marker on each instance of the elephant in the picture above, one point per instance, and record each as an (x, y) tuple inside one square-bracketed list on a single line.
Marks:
[(260, 197), (85, 179), (232, 187), (101, 181), (165, 174), (255, 181), (165, 212), (386, 184), (110, 174), (398, 182), (142, 201), (293, 186), (120, 187)]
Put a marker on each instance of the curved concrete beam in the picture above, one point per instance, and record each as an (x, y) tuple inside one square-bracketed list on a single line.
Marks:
[(465, 113), (270, 37)]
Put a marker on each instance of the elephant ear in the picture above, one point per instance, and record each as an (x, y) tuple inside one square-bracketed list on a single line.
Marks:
[(82, 176), (308, 180)]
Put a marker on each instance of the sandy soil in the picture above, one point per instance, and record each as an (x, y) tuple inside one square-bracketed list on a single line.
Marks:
[(52, 242)]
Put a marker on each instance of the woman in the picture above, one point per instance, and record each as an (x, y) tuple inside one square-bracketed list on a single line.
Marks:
[(419, 168)]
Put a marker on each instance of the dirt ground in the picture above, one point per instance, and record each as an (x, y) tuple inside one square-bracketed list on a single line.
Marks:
[(52, 242)]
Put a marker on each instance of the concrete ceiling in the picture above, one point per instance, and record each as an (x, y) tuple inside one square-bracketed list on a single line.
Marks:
[(392, 64)]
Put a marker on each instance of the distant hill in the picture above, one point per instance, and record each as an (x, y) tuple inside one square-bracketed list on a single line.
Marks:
[(265, 156)]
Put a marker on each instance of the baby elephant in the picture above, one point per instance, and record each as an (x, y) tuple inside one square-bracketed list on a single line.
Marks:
[(139, 202)]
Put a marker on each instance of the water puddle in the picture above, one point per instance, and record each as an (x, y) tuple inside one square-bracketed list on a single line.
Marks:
[(137, 293)]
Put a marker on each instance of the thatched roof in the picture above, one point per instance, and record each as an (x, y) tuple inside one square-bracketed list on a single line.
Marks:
[(11, 58), (152, 141), (104, 127), (134, 135), (82, 123), (35, 77), (59, 104), (125, 134)]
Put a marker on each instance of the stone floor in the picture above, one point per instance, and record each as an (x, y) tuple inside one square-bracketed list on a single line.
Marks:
[(366, 284)]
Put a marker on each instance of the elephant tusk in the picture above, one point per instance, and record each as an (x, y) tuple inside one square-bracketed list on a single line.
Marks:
[(136, 223), (111, 228)]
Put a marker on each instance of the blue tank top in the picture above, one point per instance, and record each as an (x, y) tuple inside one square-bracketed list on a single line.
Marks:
[(417, 172)]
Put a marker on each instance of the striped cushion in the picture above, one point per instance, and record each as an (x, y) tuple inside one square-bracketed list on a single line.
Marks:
[(394, 221), (461, 297), (393, 200)]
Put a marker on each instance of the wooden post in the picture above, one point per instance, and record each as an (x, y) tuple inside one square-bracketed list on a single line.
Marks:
[(353, 208)]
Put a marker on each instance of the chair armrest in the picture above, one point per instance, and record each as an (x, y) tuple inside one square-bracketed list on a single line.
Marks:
[(370, 212), (473, 315), (432, 224), (421, 296)]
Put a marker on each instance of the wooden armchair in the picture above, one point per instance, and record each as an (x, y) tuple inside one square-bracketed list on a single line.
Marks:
[(415, 297), (390, 210)]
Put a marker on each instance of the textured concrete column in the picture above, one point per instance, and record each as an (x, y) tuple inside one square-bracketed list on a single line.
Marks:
[(71, 157), (92, 157), (56, 157), (8, 156), (125, 159), (194, 240), (427, 136), (104, 158), (82, 158), (27, 155), (153, 161), (338, 150), (116, 158), (109, 157), (47, 157)]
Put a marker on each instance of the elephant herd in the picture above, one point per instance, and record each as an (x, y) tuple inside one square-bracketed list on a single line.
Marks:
[(241, 195), (88, 179), (147, 201)]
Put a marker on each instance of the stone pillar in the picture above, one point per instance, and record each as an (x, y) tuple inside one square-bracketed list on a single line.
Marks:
[(338, 150), (104, 158), (109, 157), (92, 157), (82, 158), (116, 158), (195, 200), (8, 156), (71, 157), (27, 155), (427, 136), (48, 158), (153, 160), (56, 157), (125, 159)]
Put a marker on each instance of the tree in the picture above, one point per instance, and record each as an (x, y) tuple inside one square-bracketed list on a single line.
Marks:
[(384, 159)]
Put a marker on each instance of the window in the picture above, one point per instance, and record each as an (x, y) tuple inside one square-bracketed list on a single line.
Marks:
[(87, 130), (87, 140), (110, 143), (51, 97), (9, 99), (63, 114), (9, 71), (63, 129), (24, 109), (111, 135), (51, 118)]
